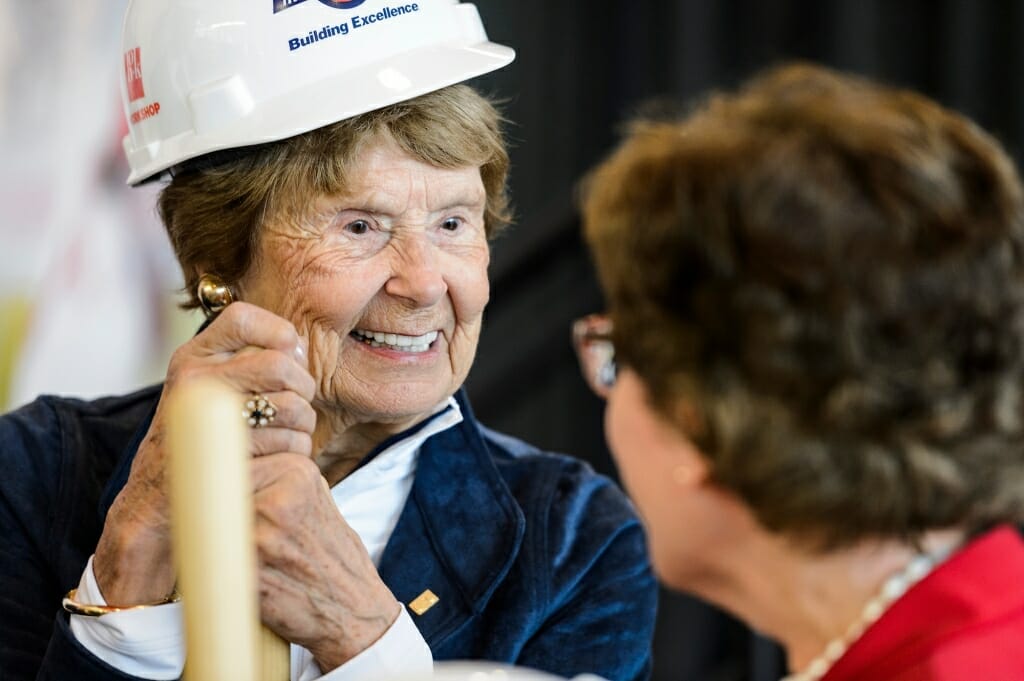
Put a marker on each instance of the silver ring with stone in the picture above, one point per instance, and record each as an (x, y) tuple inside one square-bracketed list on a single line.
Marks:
[(259, 411)]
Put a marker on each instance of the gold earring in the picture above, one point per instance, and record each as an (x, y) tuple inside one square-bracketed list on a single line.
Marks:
[(214, 295)]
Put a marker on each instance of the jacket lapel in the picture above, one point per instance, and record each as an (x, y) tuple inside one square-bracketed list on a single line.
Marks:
[(457, 535), (119, 478)]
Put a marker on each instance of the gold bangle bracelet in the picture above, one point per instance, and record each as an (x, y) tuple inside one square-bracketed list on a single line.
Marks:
[(75, 608)]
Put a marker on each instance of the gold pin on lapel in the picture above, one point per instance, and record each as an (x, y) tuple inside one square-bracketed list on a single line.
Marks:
[(425, 601)]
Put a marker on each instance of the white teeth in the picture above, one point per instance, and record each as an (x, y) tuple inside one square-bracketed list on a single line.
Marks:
[(377, 339)]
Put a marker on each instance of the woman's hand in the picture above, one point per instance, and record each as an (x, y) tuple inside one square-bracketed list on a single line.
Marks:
[(318, 586), (249, 349)]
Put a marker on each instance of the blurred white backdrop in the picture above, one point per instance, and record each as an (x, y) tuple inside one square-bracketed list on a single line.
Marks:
[(87, 279)]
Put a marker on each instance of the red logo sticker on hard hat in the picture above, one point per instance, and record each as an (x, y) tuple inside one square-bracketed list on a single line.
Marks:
[(133, 74)]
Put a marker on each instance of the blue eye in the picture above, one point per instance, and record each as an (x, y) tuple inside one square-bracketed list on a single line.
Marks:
[(358, 227)]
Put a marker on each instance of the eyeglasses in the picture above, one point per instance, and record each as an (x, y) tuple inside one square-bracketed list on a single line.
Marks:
[(592, 339)]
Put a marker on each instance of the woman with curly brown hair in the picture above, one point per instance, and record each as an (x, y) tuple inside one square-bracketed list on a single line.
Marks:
[(816, 291)]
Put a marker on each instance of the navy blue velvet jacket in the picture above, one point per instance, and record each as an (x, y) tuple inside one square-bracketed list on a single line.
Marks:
[(537, 560)]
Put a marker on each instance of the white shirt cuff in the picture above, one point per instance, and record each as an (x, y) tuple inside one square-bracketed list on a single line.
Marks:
[(400, 653), (149, 642)]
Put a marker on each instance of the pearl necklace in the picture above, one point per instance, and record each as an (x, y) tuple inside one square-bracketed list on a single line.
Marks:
[(891, 590)]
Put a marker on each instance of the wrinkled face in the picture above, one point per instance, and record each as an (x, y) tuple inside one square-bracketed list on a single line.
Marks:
[(388, 282)]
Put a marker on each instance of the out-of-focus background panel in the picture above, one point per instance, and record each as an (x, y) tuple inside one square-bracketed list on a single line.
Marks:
[(86, 275)]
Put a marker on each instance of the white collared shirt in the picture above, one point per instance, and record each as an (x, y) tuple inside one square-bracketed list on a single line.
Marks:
[(150, 642)]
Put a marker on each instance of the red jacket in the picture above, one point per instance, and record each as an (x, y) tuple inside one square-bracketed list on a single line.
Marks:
[(963, 622)]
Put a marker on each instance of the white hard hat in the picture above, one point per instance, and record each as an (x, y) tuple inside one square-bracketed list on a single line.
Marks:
[(206, 75)]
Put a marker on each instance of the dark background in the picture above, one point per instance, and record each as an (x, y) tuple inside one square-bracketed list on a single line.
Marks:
[(584, 67)]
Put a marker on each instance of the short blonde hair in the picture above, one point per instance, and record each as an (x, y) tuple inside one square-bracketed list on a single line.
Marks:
[(214, 206)]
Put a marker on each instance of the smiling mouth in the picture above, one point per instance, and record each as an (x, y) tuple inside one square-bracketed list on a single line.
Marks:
[(395, 341)]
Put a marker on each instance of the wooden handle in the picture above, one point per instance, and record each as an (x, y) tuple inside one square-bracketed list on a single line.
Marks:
[(274, 656), (212, 532)]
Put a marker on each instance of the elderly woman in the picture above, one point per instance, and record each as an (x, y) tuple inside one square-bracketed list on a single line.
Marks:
[(344, 270), (816, 291)]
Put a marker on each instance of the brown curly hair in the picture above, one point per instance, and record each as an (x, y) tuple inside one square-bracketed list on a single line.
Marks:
[(830, 271), (214, 206)]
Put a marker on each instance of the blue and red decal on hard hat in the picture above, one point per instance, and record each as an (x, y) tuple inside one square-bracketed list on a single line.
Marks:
[(281, 5), (343, 4)]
